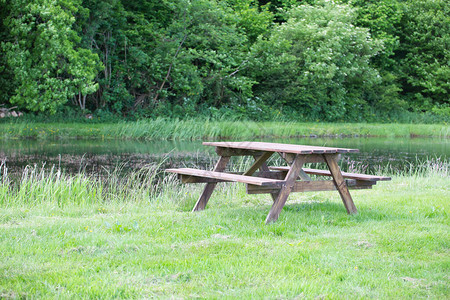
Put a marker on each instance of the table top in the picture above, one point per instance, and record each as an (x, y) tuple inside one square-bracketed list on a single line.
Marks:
[(275, 147)]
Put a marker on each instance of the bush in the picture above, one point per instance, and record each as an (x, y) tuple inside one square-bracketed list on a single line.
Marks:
[(317, 63)]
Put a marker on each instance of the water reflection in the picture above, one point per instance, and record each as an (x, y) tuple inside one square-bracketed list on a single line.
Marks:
[(96, 156)]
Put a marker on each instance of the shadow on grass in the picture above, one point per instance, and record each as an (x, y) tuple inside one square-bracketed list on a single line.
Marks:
[(302, 215)]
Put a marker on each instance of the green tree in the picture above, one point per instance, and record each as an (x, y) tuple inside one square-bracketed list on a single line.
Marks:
[(169, 54), (211, 53), (317, 63), (49, 68), (383, 18), (104, 33), (254, 19), (424, 53), (7, 86)]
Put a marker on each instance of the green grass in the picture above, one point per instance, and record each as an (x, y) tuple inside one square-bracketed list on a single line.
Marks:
[(203, 129), (77, 237)]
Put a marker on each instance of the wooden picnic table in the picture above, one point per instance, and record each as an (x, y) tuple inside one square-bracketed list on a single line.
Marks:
[(279, 181)]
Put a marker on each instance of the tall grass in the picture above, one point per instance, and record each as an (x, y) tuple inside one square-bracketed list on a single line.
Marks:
[(38, 186), (195, 129)]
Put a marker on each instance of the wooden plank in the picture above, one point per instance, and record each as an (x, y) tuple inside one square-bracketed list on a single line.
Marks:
[(264, 174), (196, 179), (340, 185), (311, 158), (310, 186), (209, 188), (363, 177), (228, 177), (285, 189), (221, 151), (270, 174), (275, 147)]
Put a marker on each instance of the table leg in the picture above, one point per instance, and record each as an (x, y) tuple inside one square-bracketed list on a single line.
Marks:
[(340, 184), (209, 188), (285, 190)]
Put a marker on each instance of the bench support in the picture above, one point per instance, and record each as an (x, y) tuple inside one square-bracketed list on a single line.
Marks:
[(340, 184), (264, 169), (209, 188), (285, 190), (260, 162)]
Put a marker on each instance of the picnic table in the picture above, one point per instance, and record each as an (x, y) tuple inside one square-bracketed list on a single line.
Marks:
[(279, 181)]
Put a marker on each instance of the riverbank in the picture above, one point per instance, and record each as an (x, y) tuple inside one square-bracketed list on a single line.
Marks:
[(172, 129), (75, 237)]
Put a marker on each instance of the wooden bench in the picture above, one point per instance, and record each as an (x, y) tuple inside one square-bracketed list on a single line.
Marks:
[(189, 175), (271, 181), (363, 177)]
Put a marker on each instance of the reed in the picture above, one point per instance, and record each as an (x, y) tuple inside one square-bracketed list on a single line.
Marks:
[(195, 129), (38, 185)]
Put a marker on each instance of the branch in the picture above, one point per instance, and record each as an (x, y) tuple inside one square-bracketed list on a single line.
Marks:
[(237, 69)]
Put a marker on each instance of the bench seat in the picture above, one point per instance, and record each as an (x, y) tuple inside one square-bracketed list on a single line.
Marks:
[(362, 177), (268, 182)]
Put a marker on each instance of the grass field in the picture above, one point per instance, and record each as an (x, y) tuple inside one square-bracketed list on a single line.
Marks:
[(77, 237), (203, 129)]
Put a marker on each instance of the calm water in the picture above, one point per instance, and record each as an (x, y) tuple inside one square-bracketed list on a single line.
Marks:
[(95, 157)]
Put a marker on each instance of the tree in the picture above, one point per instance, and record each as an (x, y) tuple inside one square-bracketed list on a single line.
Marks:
[(7, 86), (317, 63), (254, 19), (42, 52), (383, 18), (424, 53)]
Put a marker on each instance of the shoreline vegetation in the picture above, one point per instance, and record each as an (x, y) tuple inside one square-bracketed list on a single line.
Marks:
[(74, 236), (197, 129)]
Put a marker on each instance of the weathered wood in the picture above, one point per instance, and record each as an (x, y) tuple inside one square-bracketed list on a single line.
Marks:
[(340, 185), (285, 189), (265, 170), (196, 179), (263, 174), (259, 161), (310, 186), (363, 177), (312, 158), (302, 174), (221, 151), (209, 188), (228, 177), (275, 147), (289, 158)]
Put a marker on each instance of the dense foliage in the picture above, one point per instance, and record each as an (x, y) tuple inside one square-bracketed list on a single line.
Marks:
[(313, 60)]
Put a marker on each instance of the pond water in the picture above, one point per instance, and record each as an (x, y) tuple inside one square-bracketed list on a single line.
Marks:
[(97, 157)]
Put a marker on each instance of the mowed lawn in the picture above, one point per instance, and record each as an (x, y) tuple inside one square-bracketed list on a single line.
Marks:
[(396, 247)]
